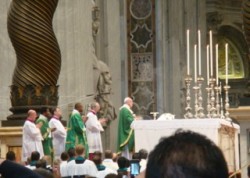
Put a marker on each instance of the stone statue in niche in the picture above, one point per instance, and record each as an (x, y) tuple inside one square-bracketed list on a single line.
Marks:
[(103, 90)]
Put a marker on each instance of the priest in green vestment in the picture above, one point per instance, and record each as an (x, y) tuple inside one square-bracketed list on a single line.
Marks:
[(43, 123), (76, 131), (125, 132)]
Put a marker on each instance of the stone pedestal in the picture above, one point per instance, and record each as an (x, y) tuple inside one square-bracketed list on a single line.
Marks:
[(242, 115), (11, 140)]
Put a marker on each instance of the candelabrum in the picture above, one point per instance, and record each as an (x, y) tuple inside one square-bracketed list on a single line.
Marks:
[(226, 88), (212, 98), (188, 109), (200, 99), (208, 101), (217, 100), (221, 108), (196, 100)]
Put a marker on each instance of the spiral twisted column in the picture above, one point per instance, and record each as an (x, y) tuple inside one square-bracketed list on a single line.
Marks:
[(38, 64), (246, 20)]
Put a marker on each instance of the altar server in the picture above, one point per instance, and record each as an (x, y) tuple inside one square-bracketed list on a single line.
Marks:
[(125, 132), (81, 166), (32, 138), (93, 129), (76, 131), (59, 135)]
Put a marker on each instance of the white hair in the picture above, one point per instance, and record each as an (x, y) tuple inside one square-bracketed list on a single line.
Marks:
[(127, 99)]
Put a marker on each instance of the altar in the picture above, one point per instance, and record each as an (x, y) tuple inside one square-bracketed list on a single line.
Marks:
[(222, 132)]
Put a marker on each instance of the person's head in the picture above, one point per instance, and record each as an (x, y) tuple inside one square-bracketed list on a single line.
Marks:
[(111, 176), (136, 156), (71, 152), (44, 173), (108, 154), (80, 150), (35, 156), (97, 159), (32, 114), (41, 164), (95, 107), (123, 162), (98, 153), (79, 107), (143, 153), (186, 154), (128, 101), (11, 156), (46, 112), (56, 112), (64, 156)]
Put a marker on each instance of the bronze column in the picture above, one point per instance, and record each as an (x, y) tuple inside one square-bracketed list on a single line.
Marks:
[(38, 63)]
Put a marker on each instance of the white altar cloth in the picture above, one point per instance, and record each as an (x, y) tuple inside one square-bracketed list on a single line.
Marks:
[(149, 132)]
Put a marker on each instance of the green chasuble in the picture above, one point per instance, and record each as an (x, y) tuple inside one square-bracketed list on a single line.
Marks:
[(125, 133), (76, 132), (45, 131)]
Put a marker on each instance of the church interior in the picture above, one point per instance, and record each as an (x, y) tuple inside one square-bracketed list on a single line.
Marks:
[(70, 51)]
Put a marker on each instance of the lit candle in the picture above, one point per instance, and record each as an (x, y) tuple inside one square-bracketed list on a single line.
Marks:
[(188, 62), (226, 58), (217, 66), (208, 75), (199, 51), (211, 51), (195, 63)]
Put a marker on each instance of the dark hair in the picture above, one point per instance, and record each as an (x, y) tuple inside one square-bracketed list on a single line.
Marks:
[(35, 156), (98, 153), (123, 162), (71, 152), (111, 176), (186, 154), (41, 164), (136, 156), (143, 154), (97, 160), (44, 173), (64, 156), (11, 156), (43, 110), (78, 105), (108, 154)]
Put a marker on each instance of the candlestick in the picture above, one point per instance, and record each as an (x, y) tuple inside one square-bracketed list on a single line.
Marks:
[(227, 105), (188, 60), (208, 101), (226, 58), (211, 51), (200, 99), (208, 75), (195, 63), (199, 51), (188, 109), (217, 66)]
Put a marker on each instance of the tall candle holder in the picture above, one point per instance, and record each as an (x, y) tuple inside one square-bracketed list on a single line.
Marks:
[(200, 99), (227, 105), (208, 101), (212, 98), (217, 100), (188, 109), (196, 102), (221, 108)]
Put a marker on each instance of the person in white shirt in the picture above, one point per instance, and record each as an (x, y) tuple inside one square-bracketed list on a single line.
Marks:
[(94, 129), (81, 166), (102, 170), (108, 160), (59, 135), (143, 157), (32, 138), (34, 158), (63, 164)]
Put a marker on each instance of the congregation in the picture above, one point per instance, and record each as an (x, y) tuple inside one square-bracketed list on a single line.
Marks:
[(51, 151)]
